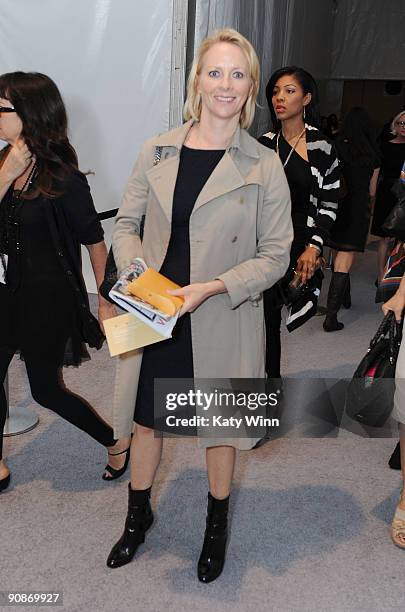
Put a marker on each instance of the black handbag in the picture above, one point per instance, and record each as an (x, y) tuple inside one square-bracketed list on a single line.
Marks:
[(370, 394), (290, 288), (111, 272), (394, 224), (110, 277)]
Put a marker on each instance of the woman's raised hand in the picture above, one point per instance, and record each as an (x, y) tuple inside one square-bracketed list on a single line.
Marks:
[(19, 157)]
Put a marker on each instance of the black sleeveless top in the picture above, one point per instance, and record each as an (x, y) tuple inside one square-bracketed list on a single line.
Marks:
[(299, 177)]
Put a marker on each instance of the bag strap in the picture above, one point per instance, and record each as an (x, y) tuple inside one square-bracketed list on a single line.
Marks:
[(383, 329), (395, 338), (156, 159), (389, 326), (158, 155)]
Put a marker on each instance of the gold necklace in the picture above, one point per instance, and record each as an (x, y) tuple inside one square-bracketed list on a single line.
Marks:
[(299, 136)]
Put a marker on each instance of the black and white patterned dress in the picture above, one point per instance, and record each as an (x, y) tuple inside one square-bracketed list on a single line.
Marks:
[(314, 204)]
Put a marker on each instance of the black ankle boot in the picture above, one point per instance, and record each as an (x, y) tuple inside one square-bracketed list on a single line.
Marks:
[(336, 292), (347, 298), (139, 519), (212, 558), (395, 459)]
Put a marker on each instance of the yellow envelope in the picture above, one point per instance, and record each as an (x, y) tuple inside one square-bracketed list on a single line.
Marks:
[(126, 333), (151, 287)]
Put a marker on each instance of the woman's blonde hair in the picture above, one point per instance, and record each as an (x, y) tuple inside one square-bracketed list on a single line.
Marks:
[(192, 106), (393, 128)]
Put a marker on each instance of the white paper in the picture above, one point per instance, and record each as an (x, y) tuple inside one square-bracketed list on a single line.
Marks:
[(157, 320)]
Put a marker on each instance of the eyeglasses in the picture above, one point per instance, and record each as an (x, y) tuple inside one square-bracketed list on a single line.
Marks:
[(401, 123), (7, 109)]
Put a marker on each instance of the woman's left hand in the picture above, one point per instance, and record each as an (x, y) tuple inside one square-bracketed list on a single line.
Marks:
[(306, 263), (106, 310), (196, 293), (396, 304)]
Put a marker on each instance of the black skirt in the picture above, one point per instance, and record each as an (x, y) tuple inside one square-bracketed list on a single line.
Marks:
[(385, 202), (350, 230)]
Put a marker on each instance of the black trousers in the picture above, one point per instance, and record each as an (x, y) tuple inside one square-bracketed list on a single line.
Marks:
[(272, 310), (48, 389), (272, 319)]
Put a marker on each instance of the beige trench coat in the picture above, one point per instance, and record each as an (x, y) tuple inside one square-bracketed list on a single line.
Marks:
[(240, 232)]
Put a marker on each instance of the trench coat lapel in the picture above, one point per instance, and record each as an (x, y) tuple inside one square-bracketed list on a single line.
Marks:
[(225, 178), (162, 179)]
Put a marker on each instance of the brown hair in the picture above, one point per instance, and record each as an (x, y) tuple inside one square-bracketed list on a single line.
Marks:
[(40, 107)]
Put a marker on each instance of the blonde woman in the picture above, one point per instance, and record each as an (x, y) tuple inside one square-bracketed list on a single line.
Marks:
[(218, 223)]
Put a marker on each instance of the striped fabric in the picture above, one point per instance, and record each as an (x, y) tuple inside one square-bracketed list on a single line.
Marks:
[(393, 272), (325, 185), (305, 307)]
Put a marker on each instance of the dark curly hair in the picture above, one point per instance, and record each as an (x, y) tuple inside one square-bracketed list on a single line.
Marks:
[(40, 107), (308, 85)]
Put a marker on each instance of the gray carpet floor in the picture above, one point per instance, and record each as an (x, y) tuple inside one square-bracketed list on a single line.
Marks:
[(309, 522)]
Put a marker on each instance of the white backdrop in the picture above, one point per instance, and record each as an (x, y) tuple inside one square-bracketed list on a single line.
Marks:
[(111, 59)]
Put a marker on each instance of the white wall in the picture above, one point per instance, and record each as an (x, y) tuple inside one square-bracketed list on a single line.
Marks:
[(111, 60)]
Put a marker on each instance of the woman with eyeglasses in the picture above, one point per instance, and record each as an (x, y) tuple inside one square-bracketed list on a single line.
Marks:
[(46, 213), (392, 159)]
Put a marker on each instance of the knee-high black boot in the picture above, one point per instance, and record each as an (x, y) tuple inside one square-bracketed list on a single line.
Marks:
[(212, 558), (139, 519), (336, 293), (347, 298)]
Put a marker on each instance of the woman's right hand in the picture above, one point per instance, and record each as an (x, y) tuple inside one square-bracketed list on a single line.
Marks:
[(17, 161)]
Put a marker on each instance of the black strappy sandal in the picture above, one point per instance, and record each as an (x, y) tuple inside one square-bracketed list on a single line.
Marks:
[(114, 473), (4, 483)]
